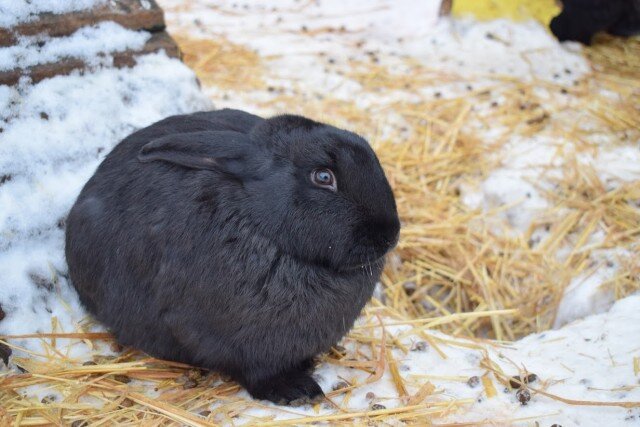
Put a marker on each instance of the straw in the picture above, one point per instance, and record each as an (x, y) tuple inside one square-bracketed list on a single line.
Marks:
[(456, 269)]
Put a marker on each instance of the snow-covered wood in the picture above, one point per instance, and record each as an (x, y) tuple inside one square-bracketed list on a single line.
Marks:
[(160, 41), (50, 36), (131, 14)]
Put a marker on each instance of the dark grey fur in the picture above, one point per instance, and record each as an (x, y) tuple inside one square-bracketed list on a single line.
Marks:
[(581, 19), (202, 239)]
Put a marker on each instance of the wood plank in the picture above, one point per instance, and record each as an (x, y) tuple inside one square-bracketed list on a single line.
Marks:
[(157, 42), (132, 14), (445, 7)]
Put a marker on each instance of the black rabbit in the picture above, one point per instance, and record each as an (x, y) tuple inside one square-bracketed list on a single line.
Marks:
[(581, 19), (234, 243)]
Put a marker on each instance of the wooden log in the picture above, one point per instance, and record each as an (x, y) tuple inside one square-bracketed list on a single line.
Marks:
[(132, 14), (157, 42), (445, 7)]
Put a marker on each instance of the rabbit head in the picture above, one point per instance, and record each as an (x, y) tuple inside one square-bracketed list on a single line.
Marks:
[(318, 192)]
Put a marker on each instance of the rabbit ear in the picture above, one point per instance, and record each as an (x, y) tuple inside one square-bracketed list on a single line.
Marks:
[(229, 152)]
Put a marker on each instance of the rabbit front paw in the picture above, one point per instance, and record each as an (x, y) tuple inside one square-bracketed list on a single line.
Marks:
[(293, 388)]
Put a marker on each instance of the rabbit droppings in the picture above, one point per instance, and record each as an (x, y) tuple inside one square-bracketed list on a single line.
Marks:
[(235, 243)]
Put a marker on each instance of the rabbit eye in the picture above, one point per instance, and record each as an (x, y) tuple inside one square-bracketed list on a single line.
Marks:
[(324, 178)]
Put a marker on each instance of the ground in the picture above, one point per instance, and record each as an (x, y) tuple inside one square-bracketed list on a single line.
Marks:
[(516, 165)]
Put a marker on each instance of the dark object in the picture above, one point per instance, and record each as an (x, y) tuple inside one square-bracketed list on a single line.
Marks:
[(340, 385), (581, 19), (420, 346), (41, 281), (339, 350), (50, 398), (523, 396), (377, 407), (2, 313), (196, 374), (126, 403), (473, 381), (516, 381), (234, 243), (189, 383), (5, 353), (122, 379)]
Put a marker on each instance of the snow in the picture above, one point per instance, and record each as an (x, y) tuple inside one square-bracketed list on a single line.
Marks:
[(13, 12), (584, 296), (620, 164), (403, 28), (33, 293), (591, 359), (60, 129), (55, 133)]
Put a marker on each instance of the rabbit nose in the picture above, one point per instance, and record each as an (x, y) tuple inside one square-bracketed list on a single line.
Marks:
[(392, 239), (387, 232)]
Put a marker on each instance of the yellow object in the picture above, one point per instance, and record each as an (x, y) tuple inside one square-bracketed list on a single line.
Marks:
[(489, 388), (518, 10)]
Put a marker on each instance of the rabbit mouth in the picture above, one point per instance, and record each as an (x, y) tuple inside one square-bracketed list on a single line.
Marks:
[(370, 264), (370, 257)]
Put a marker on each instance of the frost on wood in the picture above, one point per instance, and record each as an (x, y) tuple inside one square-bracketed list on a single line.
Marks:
[(61, 18), (79, 38), (106, 43), (86, 44), (13, 12), (156, 42)]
